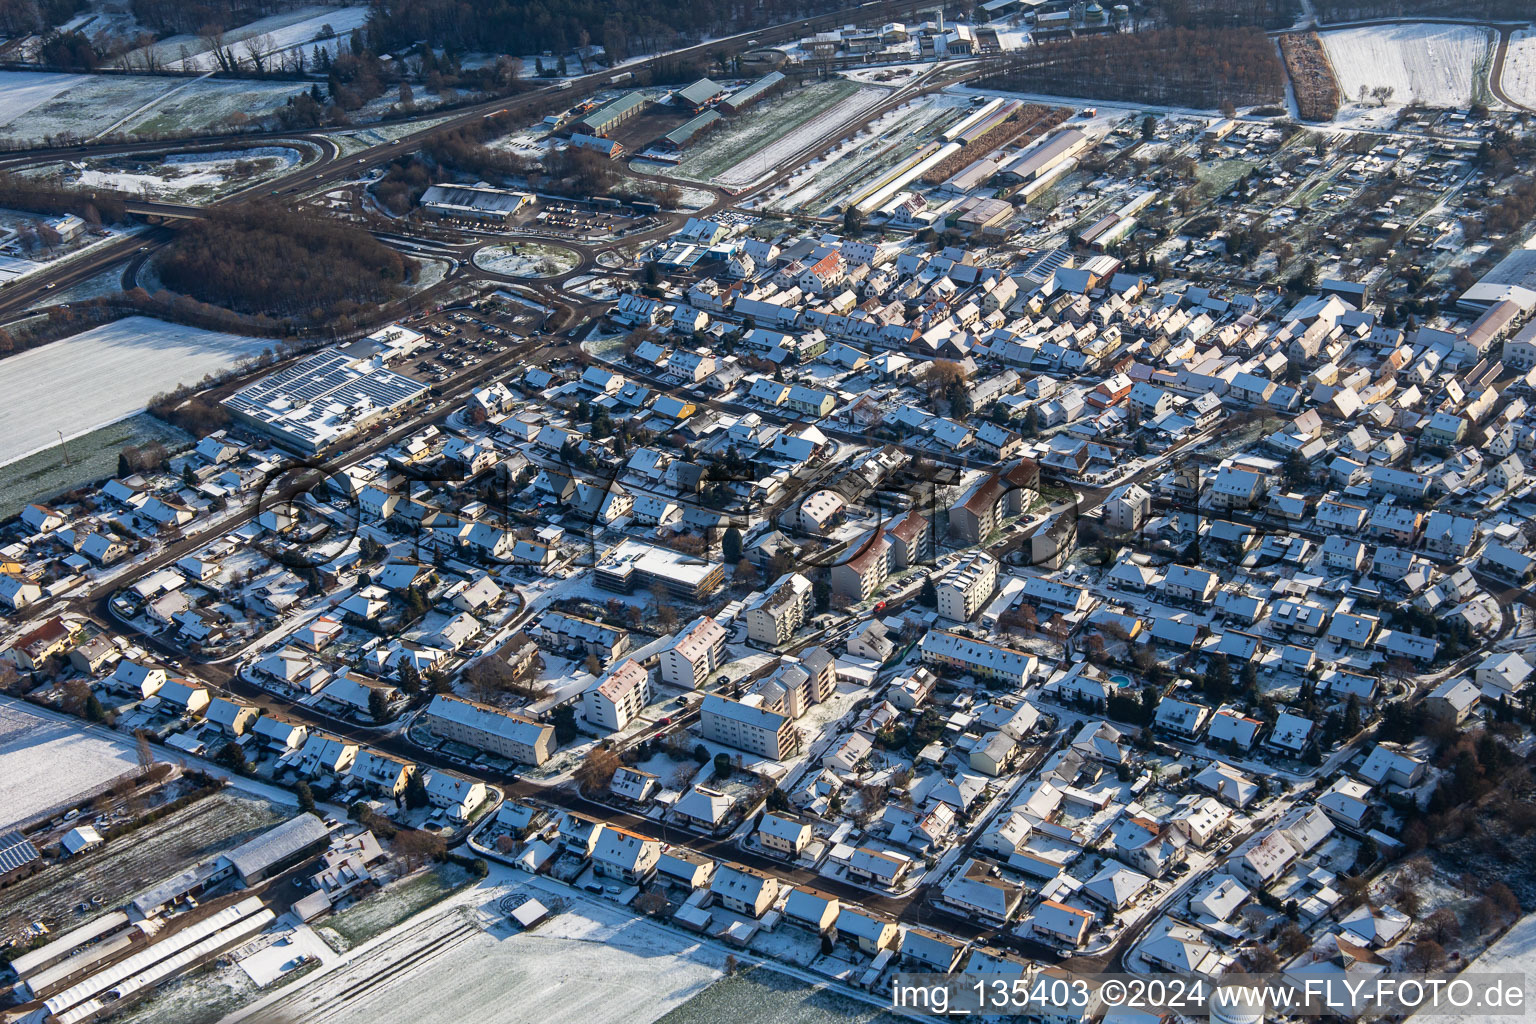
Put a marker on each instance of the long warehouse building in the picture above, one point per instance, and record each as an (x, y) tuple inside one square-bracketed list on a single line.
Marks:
[(1042, 159), (610, 115)]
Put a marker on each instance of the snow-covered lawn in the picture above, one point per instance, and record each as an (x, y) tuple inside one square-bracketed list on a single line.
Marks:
[(1436, 65), (526, 259), (20, 91), (44, 763), (87, 381), (1519, 79), (1515, 953)]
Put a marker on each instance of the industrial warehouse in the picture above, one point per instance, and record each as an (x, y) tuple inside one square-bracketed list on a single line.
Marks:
[(322, 399), (475, 202)]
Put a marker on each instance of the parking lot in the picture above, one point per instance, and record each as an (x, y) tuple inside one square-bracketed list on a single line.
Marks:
[(462, 339)]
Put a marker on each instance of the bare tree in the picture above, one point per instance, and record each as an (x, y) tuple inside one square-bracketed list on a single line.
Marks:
[(597, 768), (257, 48), (145, 752), (417, 846)]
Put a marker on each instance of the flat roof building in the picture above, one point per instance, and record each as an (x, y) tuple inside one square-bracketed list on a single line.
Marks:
[(474, 202), (635, 565), (322, 399)]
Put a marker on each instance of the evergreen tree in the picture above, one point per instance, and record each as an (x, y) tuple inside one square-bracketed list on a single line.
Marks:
[(416, 790), (378, 706)]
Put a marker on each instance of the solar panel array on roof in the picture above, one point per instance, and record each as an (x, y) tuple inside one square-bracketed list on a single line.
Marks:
[(318, 400)]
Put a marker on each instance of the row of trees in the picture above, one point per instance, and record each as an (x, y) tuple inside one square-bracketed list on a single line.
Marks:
[(95, 208), (19, 17)]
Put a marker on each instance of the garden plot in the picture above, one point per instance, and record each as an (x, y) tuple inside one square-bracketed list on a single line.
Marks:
[(1519, 75), (44, 763), (126, 866), (1436, 65), (761, 140), (889, 139), (85, 382)]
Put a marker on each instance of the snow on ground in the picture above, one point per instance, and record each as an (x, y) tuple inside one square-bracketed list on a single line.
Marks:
[(746, 144), (267, 965), (779, 153), (526, 259), (883, 143), (591, 963), (84, 105), (1519, 79), (191, 175), (20, 91), (213, 102), (87, 381), (91, 104), (297, 28), (1436, 65), (1515, 953), (44, 763)]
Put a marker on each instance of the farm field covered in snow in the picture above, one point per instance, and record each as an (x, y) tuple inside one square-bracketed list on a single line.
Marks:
[(1436, 65), (87, 381), (44, 762), (589, 964), (20, 91), (1519, 79), (35, 106)]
